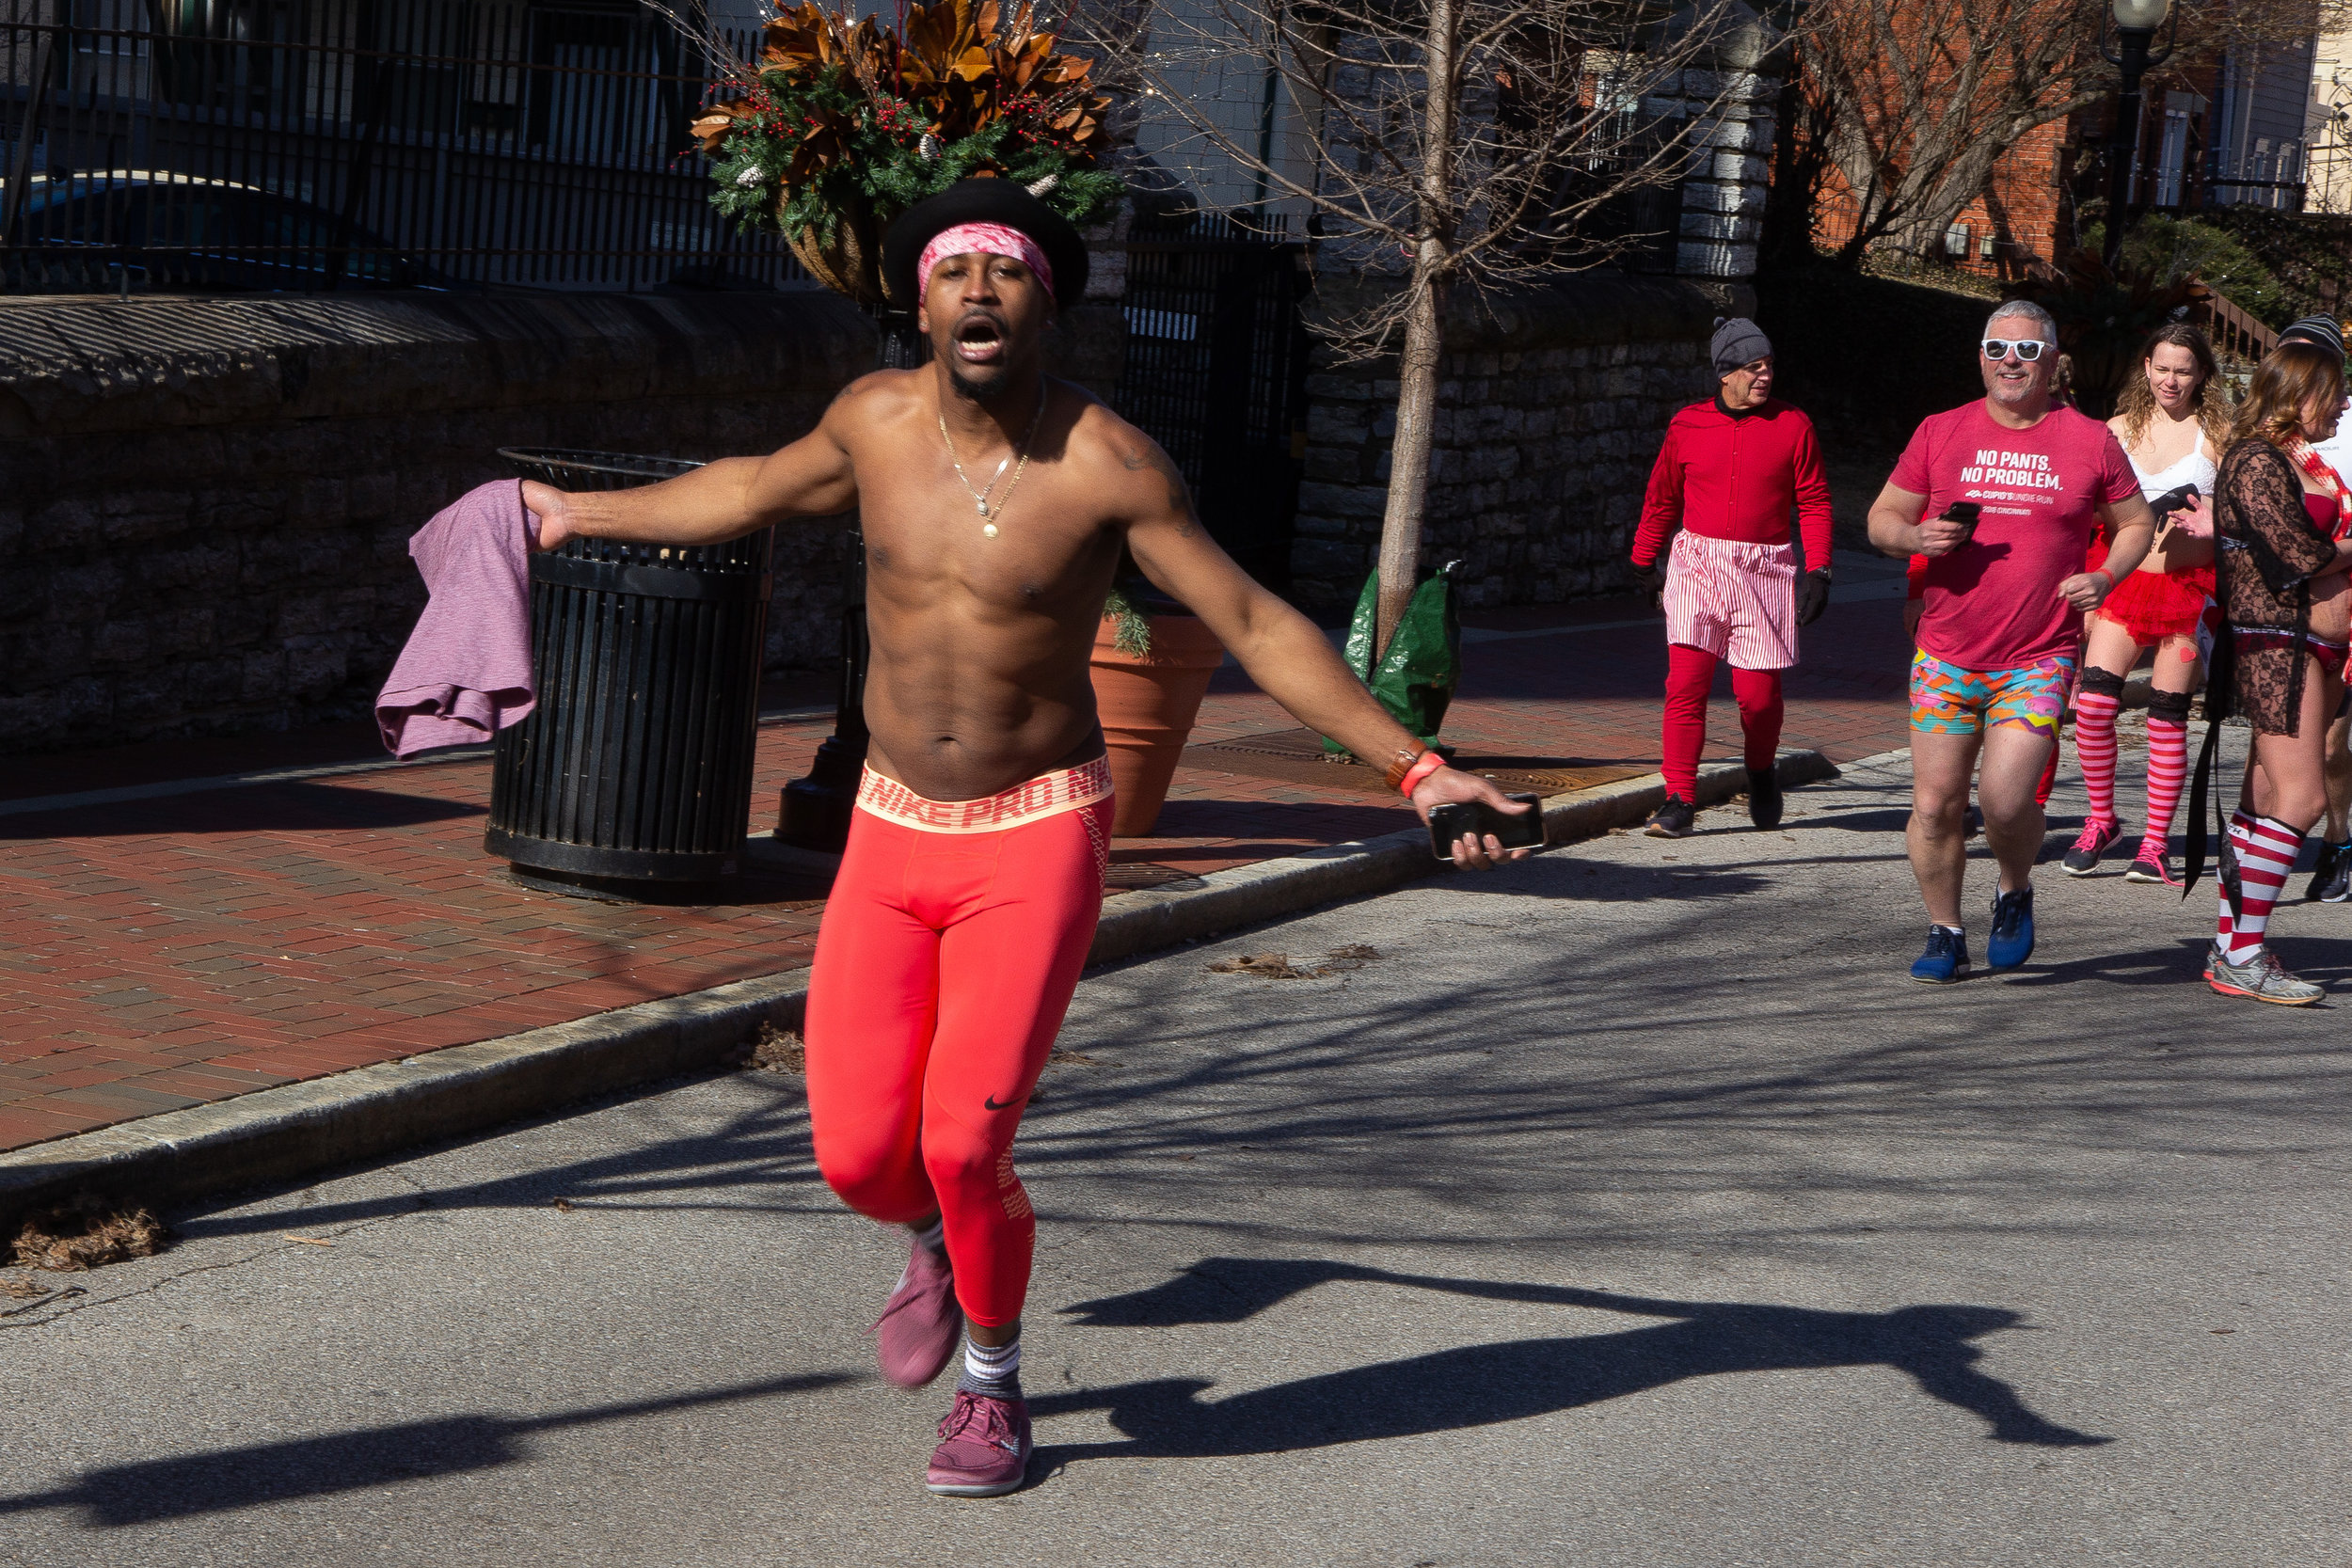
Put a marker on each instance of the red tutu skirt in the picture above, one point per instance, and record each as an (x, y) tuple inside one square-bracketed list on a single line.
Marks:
[(2152, 606)]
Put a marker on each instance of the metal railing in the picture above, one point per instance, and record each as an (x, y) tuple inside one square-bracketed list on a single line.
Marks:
[(2237, 338), (318, 144)]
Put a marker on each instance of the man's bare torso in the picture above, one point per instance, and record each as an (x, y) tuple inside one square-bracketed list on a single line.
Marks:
[(978, 678)]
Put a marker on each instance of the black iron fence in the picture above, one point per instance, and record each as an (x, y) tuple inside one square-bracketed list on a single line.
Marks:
[(1217, 373), (316, 144)]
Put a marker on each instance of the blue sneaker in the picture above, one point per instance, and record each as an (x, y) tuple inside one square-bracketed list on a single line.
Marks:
[(1945, 959), (2012, 941)]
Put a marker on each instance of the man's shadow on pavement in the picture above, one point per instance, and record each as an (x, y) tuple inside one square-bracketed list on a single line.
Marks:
[(1482, 1385), (220, 1480)]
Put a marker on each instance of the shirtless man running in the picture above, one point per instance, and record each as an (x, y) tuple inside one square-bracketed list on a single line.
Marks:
[(994, 502)]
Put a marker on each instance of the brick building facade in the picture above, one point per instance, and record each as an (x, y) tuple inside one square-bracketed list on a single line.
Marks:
[(2236, 129)]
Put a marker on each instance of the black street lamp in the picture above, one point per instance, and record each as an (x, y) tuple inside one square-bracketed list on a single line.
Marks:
[(2135, 25)]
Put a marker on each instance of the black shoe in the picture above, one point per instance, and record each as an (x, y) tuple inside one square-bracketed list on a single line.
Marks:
[(1674, 819), (1764, 796), (2331, 883), (2098, 835)]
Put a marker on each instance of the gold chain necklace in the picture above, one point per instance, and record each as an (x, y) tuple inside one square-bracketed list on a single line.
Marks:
[(980, 498)]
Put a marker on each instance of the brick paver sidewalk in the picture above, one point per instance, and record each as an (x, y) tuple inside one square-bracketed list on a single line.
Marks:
[(163, 952)]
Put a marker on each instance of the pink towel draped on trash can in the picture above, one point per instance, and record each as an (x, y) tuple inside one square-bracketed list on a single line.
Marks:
[(465, 674)]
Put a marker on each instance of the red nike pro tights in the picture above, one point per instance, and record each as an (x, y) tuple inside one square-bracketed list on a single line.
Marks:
[(944, 964)]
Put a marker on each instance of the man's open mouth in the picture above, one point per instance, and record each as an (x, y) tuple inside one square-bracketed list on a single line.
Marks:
[(979, 340)]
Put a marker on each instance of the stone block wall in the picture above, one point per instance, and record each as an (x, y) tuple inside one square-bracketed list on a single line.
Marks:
[(208, 502), (1550, 412)]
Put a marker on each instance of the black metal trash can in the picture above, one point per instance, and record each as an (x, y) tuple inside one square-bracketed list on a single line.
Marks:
[(633, 774)]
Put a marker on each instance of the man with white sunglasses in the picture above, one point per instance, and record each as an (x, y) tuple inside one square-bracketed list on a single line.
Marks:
[(2002, 495)]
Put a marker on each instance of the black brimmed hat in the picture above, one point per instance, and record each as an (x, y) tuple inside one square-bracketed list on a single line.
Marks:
[(983, 202)]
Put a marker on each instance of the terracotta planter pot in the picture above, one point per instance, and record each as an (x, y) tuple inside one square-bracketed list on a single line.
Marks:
[(1148, 705)]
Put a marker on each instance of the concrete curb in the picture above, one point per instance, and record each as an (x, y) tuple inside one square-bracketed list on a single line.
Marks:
[(280, 1133)]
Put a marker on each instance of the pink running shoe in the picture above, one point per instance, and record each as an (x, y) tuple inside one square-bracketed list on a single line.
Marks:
[(984, 1447), (920, 1323)]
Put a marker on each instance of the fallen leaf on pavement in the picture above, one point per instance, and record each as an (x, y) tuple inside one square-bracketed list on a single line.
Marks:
[(86, 1233), (1273, 966), (1278, 966), (307, 1241), (563, 1206), (777, 1050)]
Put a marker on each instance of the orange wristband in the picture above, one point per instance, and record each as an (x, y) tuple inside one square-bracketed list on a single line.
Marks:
[(1428, 762)]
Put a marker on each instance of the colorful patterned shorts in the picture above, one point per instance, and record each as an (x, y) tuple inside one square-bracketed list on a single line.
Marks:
[(1947, 700)]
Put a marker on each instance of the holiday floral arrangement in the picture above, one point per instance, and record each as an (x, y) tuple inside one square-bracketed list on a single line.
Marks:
[(843, 124)]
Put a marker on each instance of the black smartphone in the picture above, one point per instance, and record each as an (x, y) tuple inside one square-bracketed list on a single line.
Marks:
[(1964, 513), (1521, 830)]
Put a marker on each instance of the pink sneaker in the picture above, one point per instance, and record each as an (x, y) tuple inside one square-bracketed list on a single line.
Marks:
[(920, 1323), (984, 1447)]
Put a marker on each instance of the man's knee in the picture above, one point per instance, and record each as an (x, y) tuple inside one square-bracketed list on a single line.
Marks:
[(2004, 814), (2009, 793), (962, 1160), (1939, 812), (875, 1175), (1755, 691)]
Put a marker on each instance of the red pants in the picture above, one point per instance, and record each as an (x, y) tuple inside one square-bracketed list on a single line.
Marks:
[(944, 966), (1690, 677)]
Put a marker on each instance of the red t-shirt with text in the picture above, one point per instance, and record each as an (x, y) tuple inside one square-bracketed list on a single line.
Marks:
[(1993, 603)]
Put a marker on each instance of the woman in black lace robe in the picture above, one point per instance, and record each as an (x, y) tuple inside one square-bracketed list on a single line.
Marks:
[(2280, 571)]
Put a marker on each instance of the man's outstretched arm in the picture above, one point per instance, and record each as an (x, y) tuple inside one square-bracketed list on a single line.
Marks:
[(721, 501), (1283, 651)]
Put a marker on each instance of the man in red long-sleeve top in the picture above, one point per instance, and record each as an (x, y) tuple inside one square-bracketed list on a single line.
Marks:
[(1732, 470)]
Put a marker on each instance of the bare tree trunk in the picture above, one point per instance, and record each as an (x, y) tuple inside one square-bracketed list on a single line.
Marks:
[(1408, 455), (1424, 338)]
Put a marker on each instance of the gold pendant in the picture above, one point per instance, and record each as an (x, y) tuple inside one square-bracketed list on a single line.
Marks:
[(988, 530)]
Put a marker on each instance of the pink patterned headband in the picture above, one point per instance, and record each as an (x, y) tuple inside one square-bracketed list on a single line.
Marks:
[(993, 239)]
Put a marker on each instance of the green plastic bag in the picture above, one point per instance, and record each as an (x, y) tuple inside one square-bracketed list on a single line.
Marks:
[(1423, 664)]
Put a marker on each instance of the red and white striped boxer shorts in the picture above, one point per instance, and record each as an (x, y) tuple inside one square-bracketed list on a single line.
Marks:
[(1732, 598)]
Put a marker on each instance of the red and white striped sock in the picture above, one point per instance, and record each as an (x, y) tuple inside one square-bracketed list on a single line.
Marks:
[(2266, 852), (2168, 765), (2094, 744)]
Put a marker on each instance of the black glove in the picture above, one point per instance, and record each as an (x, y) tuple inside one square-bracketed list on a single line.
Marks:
[(1812, 597), (1652, 579)]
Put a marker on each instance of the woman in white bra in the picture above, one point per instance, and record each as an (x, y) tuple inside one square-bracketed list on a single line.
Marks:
[(2173, 432)]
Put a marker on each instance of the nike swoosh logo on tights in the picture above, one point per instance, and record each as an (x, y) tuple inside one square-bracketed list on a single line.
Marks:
[(990, 1103)]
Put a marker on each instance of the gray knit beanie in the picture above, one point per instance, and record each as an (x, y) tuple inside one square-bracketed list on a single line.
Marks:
[(2322, 330), (1738, 341)]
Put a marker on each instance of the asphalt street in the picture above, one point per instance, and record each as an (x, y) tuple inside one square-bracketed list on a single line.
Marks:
[(1631, 1207)]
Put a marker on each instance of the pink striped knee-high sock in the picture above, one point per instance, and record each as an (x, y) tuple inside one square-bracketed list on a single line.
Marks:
[(2168, 765), (2094, 744), (2265, 851)]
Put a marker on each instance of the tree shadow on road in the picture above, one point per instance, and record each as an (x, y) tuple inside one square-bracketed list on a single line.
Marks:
[(226, 1479), (1482, 1385)]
